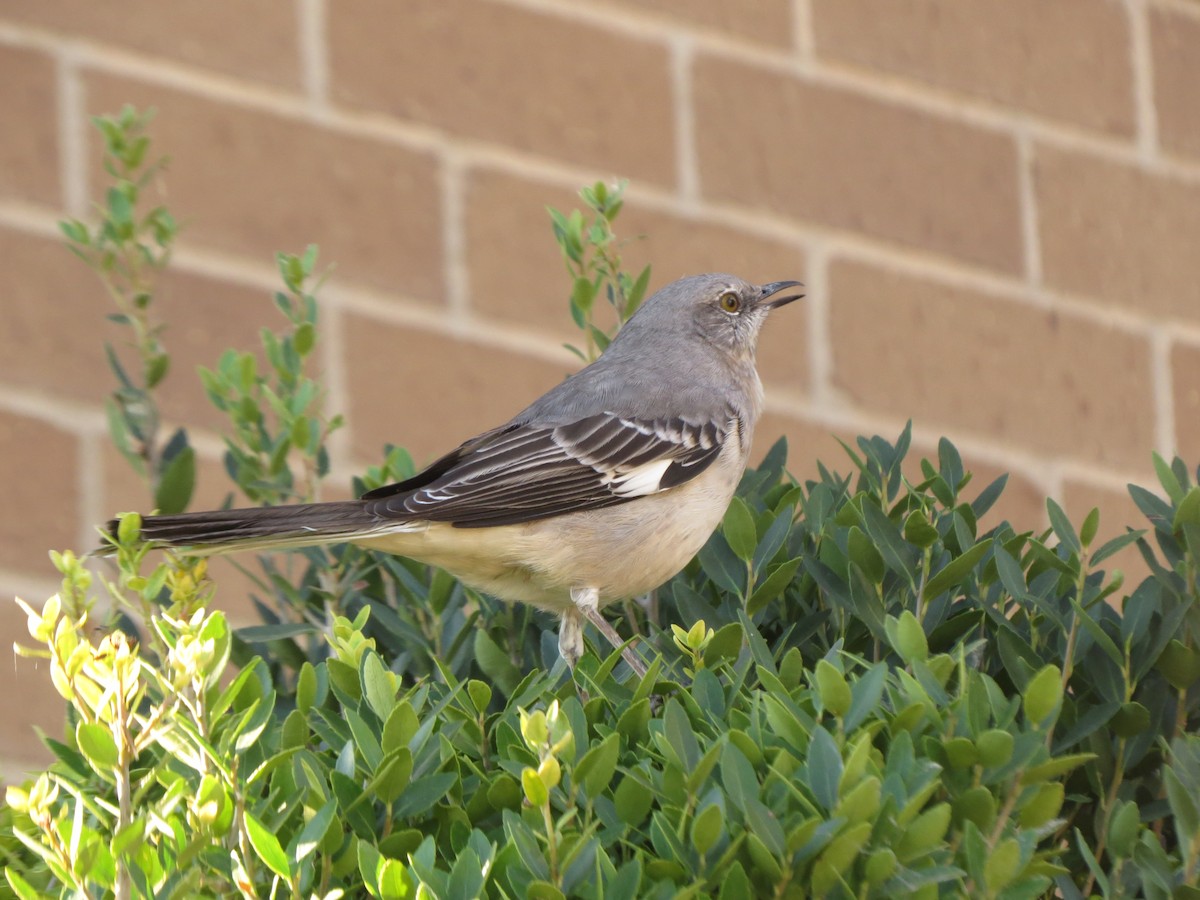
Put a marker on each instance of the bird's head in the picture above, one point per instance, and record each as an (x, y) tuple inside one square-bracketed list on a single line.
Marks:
[(722, 310)]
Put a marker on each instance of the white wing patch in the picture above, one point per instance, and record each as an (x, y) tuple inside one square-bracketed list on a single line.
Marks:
[(640, 480)]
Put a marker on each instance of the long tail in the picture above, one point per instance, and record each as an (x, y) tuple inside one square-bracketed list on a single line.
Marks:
[(226, 530)]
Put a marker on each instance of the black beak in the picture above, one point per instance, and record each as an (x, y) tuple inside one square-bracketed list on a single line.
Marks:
[(768, 290)]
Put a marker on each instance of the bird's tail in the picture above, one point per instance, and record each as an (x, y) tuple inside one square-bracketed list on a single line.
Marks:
[(228, 530)]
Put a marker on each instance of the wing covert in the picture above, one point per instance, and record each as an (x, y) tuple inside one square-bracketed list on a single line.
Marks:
[(527, 472)]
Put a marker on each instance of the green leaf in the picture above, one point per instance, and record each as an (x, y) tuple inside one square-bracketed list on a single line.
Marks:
[(632, 801), (595, 770), (174, 491), (1180, 665), (96, 743), (706, 828), (120, 209), (773, 585), (918, 531), (480, 693), (1123, 829), (679, 733), (925, 833), (267, 847), (306, 687), (314, 830), (1184, 804), (1002, 866), (128, 839), (393, 882), (1053, 768), (157, 367), (1043, 694), (1115, 545), (1062, 525), (377, 685), (1087, 531), (738, 526), (638, 292), (20, 886), (1098, 634), (865, 555), (832, 688), (1188, 512), (304, 338), (726, 642), (722, 565), (824, 768), (1167, 478), (741, 785), (908, 637), (956, 570), (423, 793)]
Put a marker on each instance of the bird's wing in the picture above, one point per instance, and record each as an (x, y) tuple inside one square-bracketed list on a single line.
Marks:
[(526, 472)]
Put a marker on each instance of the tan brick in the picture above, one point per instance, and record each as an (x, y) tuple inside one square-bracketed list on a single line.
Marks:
[(835, 158), (953, 358), (1174, 38), (1185, 375), (1067, 60), (529, 80), (51, 328), (1117, 234), (205, 317), (768, 21), (428, 393), (28, 700), (55, 328), (39, 490), (29, 151), (1022, 503), (255, 38), (516, 269), (1117, 513), (252, 183), (808, 443)]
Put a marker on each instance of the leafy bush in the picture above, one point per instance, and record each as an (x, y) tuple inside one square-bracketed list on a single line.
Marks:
[(862, 693)]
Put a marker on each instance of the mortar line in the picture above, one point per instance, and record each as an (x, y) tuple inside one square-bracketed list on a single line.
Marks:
[(90, 482), (1142, 72), (314, 53), (686, 160), (804, 36), (72, 135), (820, 337), (1031, 243), (1162, 387), (452, 181)]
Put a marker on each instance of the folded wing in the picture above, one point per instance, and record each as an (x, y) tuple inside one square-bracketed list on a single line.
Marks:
[(527, 472)]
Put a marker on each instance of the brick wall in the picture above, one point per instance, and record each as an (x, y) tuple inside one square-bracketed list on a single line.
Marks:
[(996, 208)]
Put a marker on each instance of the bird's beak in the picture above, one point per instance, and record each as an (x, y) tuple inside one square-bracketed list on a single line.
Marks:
[(768, 290)]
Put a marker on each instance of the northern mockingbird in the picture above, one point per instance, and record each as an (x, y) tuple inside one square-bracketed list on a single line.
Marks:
[(600, 490)]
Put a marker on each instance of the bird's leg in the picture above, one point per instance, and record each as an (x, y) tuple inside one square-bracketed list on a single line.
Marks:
[(570, 637), (587, 602)]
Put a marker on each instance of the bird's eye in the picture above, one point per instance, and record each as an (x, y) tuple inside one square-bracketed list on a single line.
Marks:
[(730, 302)]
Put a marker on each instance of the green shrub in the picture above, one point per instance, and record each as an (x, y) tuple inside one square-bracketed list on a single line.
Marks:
[(862, 693)]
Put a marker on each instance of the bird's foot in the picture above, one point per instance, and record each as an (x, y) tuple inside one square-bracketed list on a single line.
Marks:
[(587, 602)]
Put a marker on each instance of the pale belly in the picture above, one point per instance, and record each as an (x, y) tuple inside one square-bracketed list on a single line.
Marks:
[(623, 551)]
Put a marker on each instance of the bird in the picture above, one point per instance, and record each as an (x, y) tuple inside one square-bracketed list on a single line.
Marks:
[(600, 490)]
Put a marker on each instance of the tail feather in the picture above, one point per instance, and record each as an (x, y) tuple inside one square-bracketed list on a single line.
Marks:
[(300, 525)]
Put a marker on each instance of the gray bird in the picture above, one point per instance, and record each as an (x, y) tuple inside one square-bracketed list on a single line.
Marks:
[(598, 491)]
